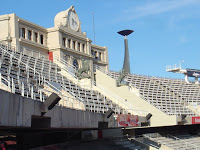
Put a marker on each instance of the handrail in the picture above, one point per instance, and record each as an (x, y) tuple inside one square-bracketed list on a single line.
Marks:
[(118, 98), (186, 143), (61, 60), (150, 101), (1, 82), (98, 86), (109, 73), (64, 98), (65, 63), (1, 44), (174, 66)]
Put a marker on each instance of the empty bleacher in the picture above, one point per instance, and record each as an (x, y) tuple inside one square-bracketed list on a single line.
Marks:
[(34, 72), (172, 96), (127, 143), (178, 141)]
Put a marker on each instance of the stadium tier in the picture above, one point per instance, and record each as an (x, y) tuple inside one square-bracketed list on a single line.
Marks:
[(36, 62), (174, 141), (15, 68), (56, 86), (168, 95)]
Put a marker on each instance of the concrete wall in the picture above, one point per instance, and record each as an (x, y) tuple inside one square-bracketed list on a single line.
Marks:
[(158, 119), (16, 110)]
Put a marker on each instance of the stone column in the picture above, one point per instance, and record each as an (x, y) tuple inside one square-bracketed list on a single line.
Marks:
[(81, 47), (66, 42), (26, 33), (88, 49), (72, 46), (76, 45), (32, 36), (39, 38)]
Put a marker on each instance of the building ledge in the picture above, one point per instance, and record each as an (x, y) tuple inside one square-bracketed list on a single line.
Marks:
[(33, 43)]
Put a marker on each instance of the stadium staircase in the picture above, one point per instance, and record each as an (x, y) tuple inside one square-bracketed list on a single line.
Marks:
[(37, 78)]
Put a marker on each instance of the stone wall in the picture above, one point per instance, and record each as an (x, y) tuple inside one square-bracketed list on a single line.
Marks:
[(17, 111)]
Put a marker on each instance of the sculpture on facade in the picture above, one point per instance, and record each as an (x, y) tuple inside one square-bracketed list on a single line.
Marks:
[(120, 81), (84, 72)]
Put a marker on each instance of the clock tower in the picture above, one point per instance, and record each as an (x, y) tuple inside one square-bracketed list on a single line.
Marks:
[(68, 19)]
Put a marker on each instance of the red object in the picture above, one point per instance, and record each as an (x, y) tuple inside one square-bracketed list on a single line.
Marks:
[(51, 56), (100, 135), (2, 146), (10, 142), (195, 120), (127, 120)]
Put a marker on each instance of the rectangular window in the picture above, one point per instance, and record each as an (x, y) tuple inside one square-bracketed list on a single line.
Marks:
[(29, 34), (99, 56), (79, 47), (74, 45), (41, 39), (36, 37), (95, 55), (69, 43), (64, 41), (83, 48), (23, 32), (92, 52)]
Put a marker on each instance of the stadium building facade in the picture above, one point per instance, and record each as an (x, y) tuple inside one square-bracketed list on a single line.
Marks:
[(65, 40), (41, 67), (59, 59)]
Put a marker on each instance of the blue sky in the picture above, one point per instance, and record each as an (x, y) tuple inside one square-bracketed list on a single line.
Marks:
[(166, 31)]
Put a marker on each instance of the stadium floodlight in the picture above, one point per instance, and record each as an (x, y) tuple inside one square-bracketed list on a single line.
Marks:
[(126, 65)]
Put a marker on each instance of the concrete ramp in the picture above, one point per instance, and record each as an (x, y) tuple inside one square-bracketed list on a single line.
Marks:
[(158, 119)]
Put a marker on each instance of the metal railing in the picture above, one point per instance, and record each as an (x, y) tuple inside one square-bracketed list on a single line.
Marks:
[(105, 91), (187, 144), (173, 67), (67, 66), (64, 62), (5, 48), (129, 107), (171, 111)]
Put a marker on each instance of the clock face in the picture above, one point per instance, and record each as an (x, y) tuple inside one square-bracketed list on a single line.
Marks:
[(73, 20)]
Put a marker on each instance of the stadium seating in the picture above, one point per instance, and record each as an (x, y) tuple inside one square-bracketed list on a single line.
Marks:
[(127, 143), (34, 72), (171, 96), (177, 141)]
